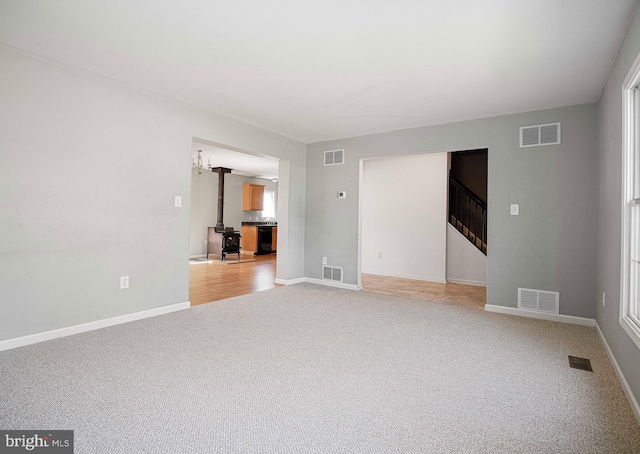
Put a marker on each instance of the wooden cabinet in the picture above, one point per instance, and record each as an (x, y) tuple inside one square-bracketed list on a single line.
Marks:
[(252, 197), (274, 239), (249, 243), (252, 236)]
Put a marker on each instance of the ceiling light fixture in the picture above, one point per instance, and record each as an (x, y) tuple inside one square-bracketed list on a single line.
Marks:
[(197, 164)]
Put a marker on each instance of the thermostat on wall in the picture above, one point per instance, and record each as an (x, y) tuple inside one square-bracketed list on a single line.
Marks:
[(342, 194)]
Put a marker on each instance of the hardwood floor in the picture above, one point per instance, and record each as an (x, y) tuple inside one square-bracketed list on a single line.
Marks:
[(463, 295), (215, 281)]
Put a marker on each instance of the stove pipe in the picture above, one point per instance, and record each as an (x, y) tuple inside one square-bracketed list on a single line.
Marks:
[(221, 171)]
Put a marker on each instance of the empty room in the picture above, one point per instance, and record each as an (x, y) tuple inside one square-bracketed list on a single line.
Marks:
[(448, 257)]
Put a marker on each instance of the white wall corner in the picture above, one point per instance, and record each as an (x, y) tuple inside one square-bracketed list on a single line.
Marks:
[(295, 281)]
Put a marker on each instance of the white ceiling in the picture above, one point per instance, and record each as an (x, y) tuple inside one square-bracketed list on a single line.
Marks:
[(317, 70)]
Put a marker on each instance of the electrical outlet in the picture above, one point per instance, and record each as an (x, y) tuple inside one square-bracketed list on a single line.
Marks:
[(603, 299), (124, 282), (324, 260)]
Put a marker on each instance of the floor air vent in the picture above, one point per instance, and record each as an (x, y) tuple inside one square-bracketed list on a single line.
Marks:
[(580, 363), (333, 157), (539, 300), (540, 135), (332, 273)]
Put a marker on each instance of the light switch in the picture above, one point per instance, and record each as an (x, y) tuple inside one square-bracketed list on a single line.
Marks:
[(515, 209), (124, 282), (178, 202)]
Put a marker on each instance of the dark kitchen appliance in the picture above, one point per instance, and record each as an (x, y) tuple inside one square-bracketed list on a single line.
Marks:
[(264, 240)]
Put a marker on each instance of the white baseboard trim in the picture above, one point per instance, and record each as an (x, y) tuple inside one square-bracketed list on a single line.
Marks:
[(312, 280), (329, 283), (413, 278), (540, 315), (90, 326), (465, 282), (200, 256), (298, 280), (623, 381)]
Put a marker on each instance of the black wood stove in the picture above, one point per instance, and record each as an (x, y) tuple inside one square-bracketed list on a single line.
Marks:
[(222, 240), (223, 243)]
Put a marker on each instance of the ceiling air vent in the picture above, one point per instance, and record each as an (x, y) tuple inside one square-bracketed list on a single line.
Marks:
[(538, 300), (333, 157), (332, 273), (540, 135)]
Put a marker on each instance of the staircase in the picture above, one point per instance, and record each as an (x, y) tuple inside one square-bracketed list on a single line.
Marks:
[(468, 214)]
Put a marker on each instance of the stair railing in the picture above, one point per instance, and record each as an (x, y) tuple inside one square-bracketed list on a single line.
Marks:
[(468, 214)]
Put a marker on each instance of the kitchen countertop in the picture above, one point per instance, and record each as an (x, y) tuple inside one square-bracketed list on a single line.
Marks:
[(261, 223)]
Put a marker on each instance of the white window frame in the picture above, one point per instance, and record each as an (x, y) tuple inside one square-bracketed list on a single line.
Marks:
[(630, 276)]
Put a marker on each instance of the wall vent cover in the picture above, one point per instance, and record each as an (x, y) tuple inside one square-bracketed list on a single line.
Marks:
[(540, 135), (333, 157), (538, 300), (332, 273)]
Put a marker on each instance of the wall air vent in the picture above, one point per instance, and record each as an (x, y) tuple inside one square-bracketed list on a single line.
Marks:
[(332, 273), (538, 300), (333, 157), (540, 135)]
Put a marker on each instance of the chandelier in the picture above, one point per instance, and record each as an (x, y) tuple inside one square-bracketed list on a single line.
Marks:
[(197, 164)]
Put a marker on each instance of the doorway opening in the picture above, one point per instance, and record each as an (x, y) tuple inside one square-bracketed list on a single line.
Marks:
[(219, 182), (406, 246), (468, 195), (467, 221)]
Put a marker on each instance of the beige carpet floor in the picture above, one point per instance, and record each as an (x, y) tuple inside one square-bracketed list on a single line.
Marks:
[(311, 369)]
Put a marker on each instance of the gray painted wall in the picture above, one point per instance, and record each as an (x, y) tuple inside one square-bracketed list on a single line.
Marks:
[(543, 248), (88, 173), (610, 211)]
